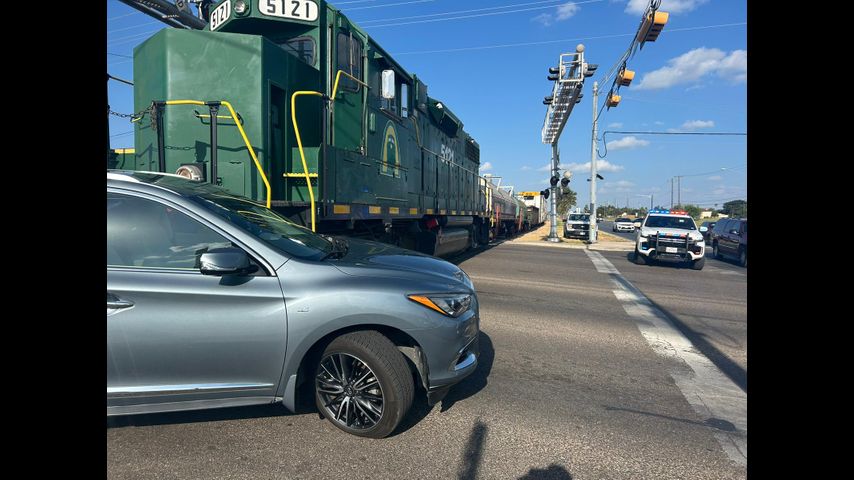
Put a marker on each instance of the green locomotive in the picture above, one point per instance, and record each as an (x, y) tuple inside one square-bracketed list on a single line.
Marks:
[(289, 103)]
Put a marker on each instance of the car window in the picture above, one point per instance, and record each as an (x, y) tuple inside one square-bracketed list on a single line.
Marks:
[(145, 233), (579, 217), (721, 226)]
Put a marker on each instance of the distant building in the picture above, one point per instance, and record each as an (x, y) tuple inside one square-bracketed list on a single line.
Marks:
[(706, 214)]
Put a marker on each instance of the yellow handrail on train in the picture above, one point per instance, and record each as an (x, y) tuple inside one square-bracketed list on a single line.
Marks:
[(301, 152), (242, 134), (299, 138)]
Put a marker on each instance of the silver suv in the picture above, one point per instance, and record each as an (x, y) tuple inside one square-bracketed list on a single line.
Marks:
[(215, 301)]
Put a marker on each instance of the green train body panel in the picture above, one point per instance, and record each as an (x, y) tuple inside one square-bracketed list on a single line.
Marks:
[(410, 156)]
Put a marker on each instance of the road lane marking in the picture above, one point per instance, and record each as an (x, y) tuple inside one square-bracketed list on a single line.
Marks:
[(709, 392)]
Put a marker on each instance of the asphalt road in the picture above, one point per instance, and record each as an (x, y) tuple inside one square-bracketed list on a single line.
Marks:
[(568, 387)]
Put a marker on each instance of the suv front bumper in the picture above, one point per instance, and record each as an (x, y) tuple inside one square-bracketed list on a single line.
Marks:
[(671, 248)]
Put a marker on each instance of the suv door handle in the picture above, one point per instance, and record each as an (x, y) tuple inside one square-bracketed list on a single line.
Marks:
[(115, 302)]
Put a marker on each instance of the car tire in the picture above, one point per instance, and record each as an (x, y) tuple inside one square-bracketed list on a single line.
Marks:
[(368, 365), (715, 252), (698, 264), (742, 259), (639, 259)]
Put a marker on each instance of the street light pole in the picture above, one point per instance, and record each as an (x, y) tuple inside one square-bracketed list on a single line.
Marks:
[(593, 155)]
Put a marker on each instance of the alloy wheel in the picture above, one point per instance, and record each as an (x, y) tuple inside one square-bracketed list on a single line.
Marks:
[(350, 391)]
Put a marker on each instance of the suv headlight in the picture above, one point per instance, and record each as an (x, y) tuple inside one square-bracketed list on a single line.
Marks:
[(643, 235), (451, 304)]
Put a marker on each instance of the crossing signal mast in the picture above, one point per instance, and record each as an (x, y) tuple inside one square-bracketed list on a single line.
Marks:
[(650, 27), (568, 78)]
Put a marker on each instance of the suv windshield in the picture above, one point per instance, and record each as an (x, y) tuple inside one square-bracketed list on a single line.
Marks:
[(579, 217), (266, 225), (684, 223), (622, 220)]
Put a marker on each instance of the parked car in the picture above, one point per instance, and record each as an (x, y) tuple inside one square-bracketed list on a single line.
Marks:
[(729, 239), (577, 225), (706, 230), (214, 301), (623, 225)]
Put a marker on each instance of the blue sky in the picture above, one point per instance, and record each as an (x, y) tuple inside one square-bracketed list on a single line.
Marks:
[(488, 61)]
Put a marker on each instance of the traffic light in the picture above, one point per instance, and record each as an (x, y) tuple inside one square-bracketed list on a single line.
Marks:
[(545, 193), (548, 100), (554, 74), (553, 181), (625, 77), (564, 182), (613, 100), (653, 23), (589, 68)]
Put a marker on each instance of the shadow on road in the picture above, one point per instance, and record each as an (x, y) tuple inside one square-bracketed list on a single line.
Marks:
[(730, 368), (552, 472), (716, 423), (474, 451)]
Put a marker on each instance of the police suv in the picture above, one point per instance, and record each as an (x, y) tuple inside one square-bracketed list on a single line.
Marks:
[(670, 235)]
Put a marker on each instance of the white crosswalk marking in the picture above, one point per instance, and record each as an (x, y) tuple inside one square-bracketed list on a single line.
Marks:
[(711, 393)]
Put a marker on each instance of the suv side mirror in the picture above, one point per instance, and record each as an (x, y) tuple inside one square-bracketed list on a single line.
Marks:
[(226, 261)]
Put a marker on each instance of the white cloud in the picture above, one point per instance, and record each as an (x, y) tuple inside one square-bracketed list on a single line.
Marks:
[(673, 6), (486, 167), (563, 12), (715, 178), (719, 191), (615, 125), (657, 122), (601, 166), (547, 168), (624, 183), (692, 66), (696, 124), (525, 168), (626, 143)]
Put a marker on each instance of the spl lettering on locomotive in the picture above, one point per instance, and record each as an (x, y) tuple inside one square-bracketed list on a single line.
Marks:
[(391, 153), (447, 153)]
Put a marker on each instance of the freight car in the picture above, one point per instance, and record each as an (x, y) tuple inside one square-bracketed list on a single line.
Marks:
[(301, 110), (536, 209)]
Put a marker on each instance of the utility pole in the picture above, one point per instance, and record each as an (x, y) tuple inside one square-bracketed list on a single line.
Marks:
[(553, 205), (593, 155), (671, 193), (679, 189)]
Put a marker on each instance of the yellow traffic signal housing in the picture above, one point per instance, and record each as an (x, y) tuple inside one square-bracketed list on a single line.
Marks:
[(626, 77), (652, 26), (613, 100)]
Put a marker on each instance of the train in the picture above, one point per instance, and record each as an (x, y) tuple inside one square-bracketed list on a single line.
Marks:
[(294, 106)]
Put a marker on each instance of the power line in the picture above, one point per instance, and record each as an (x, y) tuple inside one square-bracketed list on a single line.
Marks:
[(122, 16), (132, 27), (389, 5), (130, 38), (513, 5), (463, 17), (547, 42), (121, 134), (119, 55)]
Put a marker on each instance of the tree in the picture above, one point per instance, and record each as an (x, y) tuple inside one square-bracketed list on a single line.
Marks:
[(565, 201), (736, 208)]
